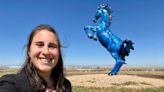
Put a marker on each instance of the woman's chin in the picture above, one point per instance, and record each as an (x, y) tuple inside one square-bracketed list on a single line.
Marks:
[(45, 68)]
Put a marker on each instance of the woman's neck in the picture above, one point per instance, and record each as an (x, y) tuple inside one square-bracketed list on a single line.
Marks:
[(49, 81), (47, 77)]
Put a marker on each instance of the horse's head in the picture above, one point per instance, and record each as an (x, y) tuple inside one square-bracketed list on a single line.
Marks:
[(104, 12)]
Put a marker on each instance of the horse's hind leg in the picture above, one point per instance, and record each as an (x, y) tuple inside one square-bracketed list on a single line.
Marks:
[(118, 64), (116, 68), (113, 71), (119, 67)]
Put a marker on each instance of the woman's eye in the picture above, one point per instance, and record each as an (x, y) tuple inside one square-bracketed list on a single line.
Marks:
[(39, 44), (52, 46)]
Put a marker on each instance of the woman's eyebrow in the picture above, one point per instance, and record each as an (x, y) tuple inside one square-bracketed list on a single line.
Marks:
[(54, 44), (38, 42)]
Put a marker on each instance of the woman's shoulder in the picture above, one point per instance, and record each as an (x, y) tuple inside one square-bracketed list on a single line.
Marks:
[(67, 84), (66, 81), (14, 83), (7, 77), (8, 83)]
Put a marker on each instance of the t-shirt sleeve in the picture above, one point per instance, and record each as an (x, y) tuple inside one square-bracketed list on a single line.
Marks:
[(7, 83)]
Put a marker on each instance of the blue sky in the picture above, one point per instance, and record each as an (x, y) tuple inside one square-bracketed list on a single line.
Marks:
[(141, 21)]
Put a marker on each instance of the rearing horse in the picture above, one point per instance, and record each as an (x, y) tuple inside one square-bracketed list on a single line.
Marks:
[(118, 48)]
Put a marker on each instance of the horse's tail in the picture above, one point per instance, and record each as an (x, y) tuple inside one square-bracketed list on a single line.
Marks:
[(125, 48)]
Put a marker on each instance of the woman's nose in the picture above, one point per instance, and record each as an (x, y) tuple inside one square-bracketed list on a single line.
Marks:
[(45, 50)]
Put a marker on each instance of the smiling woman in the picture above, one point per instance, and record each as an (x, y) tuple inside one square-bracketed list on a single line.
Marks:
[(43, 68)]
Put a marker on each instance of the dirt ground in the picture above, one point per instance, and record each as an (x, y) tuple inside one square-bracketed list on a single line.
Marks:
[(103, 80)]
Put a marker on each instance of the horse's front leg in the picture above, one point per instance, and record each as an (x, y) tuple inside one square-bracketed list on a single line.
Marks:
[(91, 32)]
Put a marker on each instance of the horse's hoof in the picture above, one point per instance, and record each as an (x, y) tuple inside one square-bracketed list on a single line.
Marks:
[(90, 36), (111, 74), (95, 39)]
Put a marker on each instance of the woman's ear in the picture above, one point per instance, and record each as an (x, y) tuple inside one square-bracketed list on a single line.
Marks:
[(28, 52)]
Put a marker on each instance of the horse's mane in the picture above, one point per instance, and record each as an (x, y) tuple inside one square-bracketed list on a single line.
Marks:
[(109, 10)]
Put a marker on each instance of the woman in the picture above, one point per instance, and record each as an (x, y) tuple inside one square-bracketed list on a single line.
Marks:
[(43, 68)]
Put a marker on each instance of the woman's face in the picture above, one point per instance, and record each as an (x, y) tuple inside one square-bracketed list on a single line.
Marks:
[(44, 51)]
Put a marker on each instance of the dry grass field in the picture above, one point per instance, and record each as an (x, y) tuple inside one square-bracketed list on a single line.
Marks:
[(119, 81), (6, 70), (130, 79)]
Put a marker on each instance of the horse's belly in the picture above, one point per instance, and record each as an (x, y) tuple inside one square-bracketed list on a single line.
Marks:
[(104, 39), (109, 42)]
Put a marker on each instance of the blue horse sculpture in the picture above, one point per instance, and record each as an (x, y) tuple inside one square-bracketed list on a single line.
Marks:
[(117, 47)]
